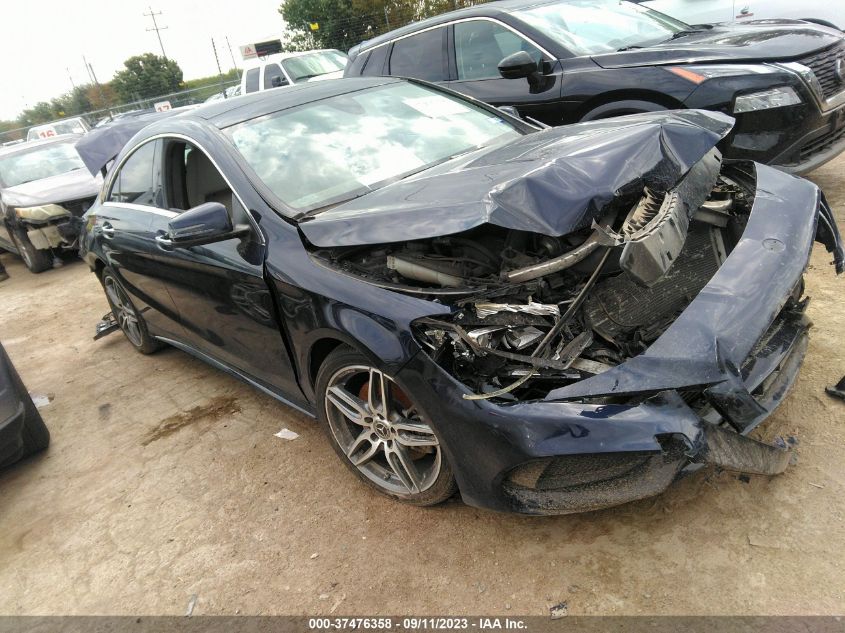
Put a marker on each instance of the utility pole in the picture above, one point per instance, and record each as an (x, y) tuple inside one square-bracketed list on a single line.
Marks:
[(232, 55), (70, 77), (152, 14), (219, 70), (93, 77)]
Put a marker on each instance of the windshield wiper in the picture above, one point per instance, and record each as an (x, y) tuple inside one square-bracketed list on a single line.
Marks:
[(687, 32), (628, 48)]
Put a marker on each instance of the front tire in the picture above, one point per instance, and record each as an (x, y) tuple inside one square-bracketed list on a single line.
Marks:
[(36, 260), (127, 316), (380, 433)]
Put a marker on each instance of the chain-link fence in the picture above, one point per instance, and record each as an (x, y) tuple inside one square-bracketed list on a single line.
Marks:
[(102, 116)]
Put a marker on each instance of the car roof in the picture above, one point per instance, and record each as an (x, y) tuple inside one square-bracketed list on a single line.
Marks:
[(278, 57), (489, 9), (226, 112), (28, 145)]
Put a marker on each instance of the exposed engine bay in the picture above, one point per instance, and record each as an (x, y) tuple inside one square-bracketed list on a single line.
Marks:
[(534, 312)]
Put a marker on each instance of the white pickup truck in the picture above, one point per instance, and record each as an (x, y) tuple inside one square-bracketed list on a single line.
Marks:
[(285, 69)]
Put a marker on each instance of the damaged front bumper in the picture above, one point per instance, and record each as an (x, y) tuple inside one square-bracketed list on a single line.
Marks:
[(691, 398), (52, 226)]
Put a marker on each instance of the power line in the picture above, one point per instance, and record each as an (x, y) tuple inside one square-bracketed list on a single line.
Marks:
[(152, 14)]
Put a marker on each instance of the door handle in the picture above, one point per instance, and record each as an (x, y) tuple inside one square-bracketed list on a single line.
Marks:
[(108, 230)]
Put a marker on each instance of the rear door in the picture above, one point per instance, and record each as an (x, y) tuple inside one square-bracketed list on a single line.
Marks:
[(124, 228)]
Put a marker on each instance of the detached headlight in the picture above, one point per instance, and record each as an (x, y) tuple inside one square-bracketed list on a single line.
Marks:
[(41, 213), (766, 99)]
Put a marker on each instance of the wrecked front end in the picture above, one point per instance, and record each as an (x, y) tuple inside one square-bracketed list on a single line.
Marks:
[(588, 369), (49, 212)]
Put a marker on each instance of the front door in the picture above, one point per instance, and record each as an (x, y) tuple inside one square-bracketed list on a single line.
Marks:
[(224, 303), (125, 225), (479, 46)]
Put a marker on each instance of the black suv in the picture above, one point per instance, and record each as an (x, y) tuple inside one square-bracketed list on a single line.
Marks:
[(578, 60)]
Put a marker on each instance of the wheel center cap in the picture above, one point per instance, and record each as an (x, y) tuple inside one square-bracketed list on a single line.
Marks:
[(382, 429)]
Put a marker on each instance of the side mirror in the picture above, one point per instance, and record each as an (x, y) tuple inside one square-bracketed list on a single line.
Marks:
[(519, 65), (203, 224), (277, 81)]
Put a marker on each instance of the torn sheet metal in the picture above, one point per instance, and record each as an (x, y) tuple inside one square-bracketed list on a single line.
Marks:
[(713, 337), (486, 309), (551, 182)]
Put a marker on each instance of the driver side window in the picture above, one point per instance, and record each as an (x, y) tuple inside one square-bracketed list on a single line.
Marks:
[(139, 178), (274, 77), (480, 45), (192, 179)]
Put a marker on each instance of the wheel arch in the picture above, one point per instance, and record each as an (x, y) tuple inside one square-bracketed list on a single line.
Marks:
[(318, 353), (99, 266), (641, 100), (325, 341)]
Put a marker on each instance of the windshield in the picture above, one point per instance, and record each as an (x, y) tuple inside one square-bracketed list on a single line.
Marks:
[(42, 162), (345, 146), (314, 64), (71, 126), (590, 27)]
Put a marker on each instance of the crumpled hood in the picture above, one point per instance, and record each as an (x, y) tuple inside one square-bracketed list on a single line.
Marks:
[(762, 40), (73, 185), (552, 182)]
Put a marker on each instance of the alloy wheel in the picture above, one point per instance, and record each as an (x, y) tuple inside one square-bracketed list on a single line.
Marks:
[(381, 431), (123, 311)]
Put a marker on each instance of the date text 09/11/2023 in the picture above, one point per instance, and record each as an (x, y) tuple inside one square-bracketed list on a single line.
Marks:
[(416, 623)]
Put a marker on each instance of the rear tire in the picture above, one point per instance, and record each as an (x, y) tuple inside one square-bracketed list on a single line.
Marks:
[(36, 260), (127, 316)]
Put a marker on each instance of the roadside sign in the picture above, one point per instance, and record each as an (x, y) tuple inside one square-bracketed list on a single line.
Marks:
[(248, 52), (162, 106)]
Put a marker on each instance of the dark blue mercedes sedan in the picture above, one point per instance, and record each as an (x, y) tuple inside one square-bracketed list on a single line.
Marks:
[(548, 321)]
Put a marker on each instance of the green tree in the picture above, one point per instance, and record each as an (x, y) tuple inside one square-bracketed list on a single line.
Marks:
[(342, 24), (146, 76), (338, 24)]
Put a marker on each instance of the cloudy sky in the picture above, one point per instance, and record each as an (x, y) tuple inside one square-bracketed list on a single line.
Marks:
[(44, 40)]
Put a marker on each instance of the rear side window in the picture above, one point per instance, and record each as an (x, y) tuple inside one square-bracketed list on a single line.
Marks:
[(421, 56), (251, 80), (375, 64), (274, 77)]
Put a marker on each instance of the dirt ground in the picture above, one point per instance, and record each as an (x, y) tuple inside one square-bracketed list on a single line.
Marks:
[(164, 481)]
